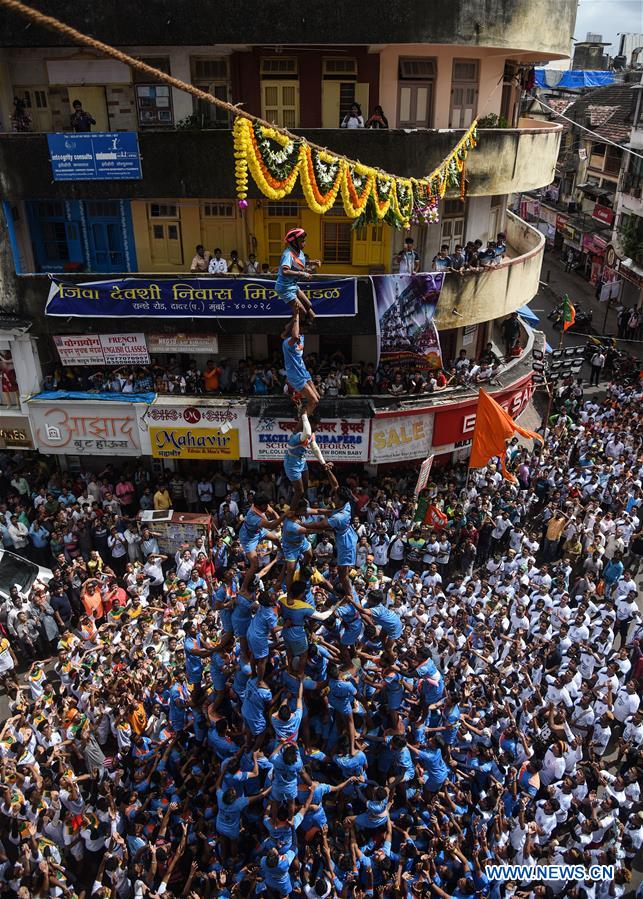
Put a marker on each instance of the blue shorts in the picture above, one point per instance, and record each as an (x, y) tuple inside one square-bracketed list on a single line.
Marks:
[(287, 293), (250, 546), (298, 381), (345, 555), (296, 645), (260, 649), (292, 552), (240, 625), (225, 616), (365, 822), (294, 469)]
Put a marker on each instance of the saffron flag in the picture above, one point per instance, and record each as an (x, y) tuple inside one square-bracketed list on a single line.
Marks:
[(435, 518), (493, 427), (569, 313)]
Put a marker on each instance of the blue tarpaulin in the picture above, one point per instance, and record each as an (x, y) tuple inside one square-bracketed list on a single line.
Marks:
[(99, 396), (529, 316), (573, 79)]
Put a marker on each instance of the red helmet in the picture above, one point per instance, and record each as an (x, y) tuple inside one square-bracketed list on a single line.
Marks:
[(294, 234)]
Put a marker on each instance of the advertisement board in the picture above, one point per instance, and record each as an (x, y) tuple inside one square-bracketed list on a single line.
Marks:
[(340, 440), (194, 443), (401, 438), (102, 349), (457, 422), (101, 428), (95, 156), (183, 343)]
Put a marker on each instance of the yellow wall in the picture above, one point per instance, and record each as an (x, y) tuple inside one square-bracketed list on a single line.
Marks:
[(192, 233), (378, 255)]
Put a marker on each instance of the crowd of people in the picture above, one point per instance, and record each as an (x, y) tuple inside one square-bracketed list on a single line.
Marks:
[(332, 374), (334, 697)]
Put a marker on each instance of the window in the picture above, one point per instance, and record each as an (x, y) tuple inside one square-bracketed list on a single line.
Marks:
[(342, 69), (280, 102), (49, 210), (283, 210), (464, 93), (163, 210), (220, 210), (279, 67), (336, 241), (35, 99), (416, 69), (415, 93), (103, 209), (211, 75), (54, 235), (153, 101)]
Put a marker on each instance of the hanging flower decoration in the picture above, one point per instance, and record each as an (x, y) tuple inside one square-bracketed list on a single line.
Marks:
[(275, 160)]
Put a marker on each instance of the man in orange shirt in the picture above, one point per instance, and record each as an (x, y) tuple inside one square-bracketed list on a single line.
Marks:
[(92, 599), (211, 375)]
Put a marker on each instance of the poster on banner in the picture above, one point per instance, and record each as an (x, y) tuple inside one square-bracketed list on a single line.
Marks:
[(404, 310), (423, 477), (102, 349), (401, 438), (340, 440), (183, 343), (194, 298)]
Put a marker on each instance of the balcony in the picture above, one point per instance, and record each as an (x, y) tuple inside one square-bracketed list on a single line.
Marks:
[(482, 296), (539, 27), (468, 300), (201, 164)]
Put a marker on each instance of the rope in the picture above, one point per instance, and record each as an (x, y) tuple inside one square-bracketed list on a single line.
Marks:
[(77, 37)]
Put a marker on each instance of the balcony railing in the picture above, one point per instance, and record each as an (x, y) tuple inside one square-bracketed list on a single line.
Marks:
[(201, 163)]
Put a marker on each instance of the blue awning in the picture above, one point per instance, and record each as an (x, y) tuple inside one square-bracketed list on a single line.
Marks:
[(573, 79), (529, 316)]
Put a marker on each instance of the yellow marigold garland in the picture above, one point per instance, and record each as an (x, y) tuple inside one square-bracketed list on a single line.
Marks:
[(384, 195)]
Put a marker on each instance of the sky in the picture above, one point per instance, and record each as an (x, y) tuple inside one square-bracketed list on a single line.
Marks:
[(608, 17)]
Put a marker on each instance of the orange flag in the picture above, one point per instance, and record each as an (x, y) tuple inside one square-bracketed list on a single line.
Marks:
[(494, 426)]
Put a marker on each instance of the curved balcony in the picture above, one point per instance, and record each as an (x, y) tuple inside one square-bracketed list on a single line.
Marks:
[(201, 163), (541, 27), (482, 296)]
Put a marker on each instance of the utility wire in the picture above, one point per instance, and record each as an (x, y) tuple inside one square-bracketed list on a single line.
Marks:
[(560, 115)]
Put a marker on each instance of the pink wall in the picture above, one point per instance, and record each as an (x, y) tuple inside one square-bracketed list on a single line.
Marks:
[(492, 64)]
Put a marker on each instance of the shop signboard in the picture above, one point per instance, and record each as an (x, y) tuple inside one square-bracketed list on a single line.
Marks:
[(183, 343), (100, 428), (401, 438), (15, 432), (603, 214), (194, 443), (95, 156), (340, 440), (102, 349), (457, 422)]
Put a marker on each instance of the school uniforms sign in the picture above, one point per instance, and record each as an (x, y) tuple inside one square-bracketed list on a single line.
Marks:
[(194, 298), (340, 440), (404, 309)]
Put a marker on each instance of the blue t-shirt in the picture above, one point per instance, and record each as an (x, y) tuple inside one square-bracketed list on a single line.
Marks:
[(297, 262), (255, 701), (296, 370), (229, 816)]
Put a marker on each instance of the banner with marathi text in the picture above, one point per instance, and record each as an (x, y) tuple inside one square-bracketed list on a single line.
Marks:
[(194, 298), (404, 309)]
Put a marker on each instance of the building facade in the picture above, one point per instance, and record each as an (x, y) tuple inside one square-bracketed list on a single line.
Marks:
[(432, 71)]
